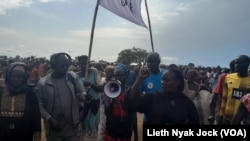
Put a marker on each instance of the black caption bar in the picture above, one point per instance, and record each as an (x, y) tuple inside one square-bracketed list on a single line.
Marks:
[(185, 132)]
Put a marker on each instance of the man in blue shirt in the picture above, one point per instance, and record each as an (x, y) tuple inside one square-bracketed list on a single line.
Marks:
[(153, 82)]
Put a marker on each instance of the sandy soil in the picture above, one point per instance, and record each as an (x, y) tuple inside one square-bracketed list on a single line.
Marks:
[(139, 118)]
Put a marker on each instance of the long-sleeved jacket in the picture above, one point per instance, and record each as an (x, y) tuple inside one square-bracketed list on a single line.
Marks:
[(46, 92)]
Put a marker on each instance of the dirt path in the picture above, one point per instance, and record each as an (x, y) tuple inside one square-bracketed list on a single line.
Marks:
[(139, 122), (139, 119)]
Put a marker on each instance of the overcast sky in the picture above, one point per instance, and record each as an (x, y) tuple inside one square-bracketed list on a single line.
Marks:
[(204, 32)]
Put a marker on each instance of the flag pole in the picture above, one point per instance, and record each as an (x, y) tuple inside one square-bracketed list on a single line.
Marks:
[(149, 25), (91, 39)]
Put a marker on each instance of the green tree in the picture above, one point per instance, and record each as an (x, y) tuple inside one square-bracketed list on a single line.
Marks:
[(134, 55)]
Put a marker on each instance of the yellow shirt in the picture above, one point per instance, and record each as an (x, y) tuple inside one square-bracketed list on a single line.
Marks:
[(234, 88)]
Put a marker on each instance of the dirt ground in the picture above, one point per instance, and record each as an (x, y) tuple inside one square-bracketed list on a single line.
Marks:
[(139, 122), (139, 119)]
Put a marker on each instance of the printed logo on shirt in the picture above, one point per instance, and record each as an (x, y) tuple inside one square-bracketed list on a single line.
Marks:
[(237, 93), (150, 85)]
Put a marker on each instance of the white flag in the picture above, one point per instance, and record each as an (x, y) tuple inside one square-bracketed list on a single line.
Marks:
[(128, 9)]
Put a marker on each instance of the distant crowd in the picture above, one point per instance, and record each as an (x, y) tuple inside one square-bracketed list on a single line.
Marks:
[(41, 66)]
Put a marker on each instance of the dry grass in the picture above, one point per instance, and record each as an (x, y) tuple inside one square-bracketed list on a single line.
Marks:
[(139, 119)]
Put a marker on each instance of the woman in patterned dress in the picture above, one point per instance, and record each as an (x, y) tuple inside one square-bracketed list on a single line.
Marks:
[(19, 111)]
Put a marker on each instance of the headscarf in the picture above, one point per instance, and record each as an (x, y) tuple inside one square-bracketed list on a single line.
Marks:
[(13, 67), (122, 67)]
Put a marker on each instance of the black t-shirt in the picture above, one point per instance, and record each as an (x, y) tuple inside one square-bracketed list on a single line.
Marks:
[(167, 109)]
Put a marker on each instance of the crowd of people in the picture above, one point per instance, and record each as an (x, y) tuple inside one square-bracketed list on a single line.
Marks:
[(68, 96)]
